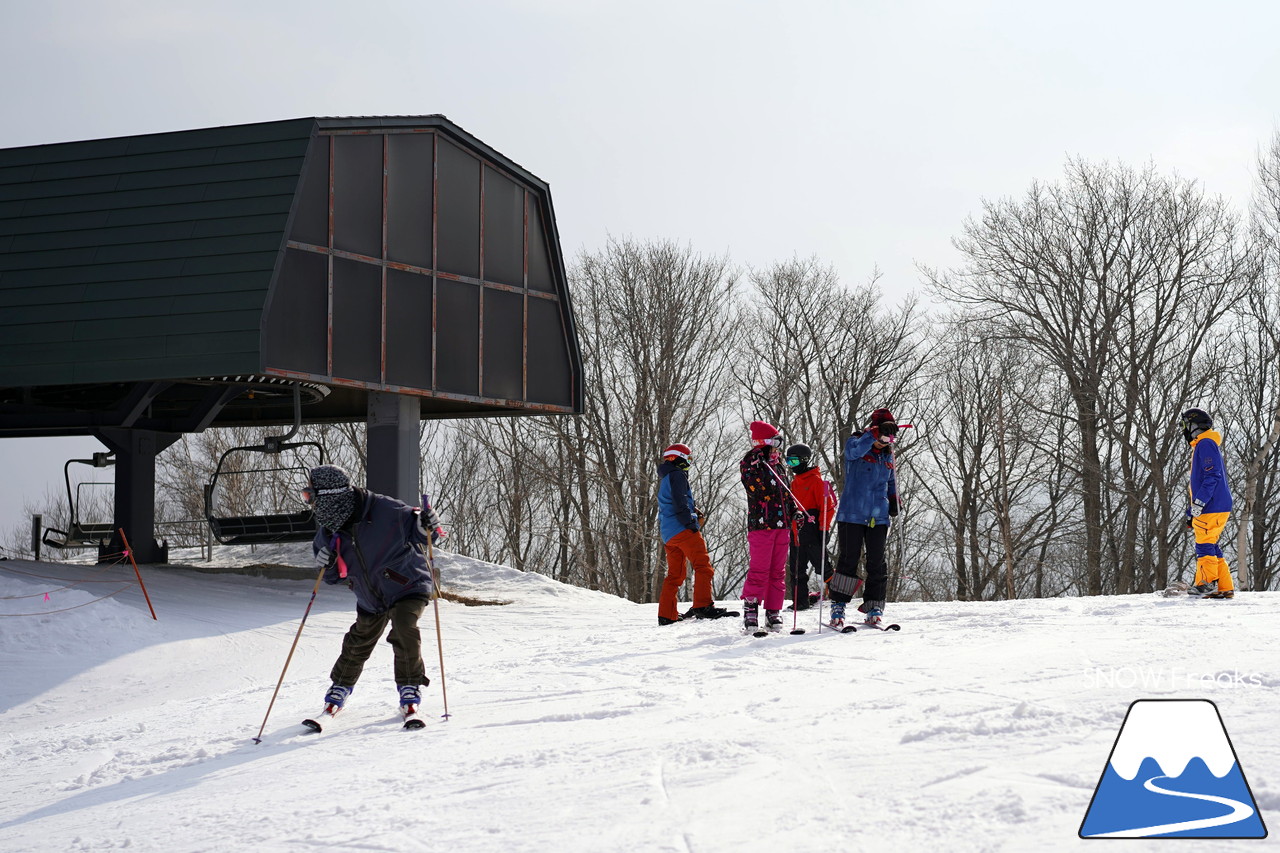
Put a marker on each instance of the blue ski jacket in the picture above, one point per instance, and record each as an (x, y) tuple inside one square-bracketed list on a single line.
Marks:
[(677, 510), (869, 482), (1208, 474), (376, 554)]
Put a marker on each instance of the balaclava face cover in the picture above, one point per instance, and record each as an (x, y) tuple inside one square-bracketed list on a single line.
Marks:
[(335, 499)]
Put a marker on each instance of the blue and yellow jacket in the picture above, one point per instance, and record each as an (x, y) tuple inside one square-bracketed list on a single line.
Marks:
[(677, 510), (869, 482), (1208, 474)]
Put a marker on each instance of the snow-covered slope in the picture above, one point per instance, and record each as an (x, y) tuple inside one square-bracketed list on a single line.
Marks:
[(580, 725)]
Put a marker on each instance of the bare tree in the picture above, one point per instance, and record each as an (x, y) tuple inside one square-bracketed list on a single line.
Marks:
[(1112, 277)]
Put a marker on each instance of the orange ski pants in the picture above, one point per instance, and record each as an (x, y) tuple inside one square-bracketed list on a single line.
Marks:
[(685, 548)]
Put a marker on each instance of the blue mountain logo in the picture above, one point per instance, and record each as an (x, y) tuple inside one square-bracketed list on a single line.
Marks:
[(1173, 773)]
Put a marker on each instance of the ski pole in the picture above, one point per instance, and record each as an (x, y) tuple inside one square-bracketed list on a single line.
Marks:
[(795, 535), (435, 603), (296, 637)]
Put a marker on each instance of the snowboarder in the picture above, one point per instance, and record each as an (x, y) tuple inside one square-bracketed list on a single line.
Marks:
[(680, 523), (1209, 505), (770, 512), (867, 503), (817, 500), (371, 543)]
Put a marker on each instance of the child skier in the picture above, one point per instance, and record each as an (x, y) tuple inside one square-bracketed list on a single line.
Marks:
[(770, 513), (370, 542), (810, 545), (867, 503), (681, 526), (1210, 505)]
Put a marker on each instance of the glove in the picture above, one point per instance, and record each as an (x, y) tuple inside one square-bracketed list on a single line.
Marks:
[(893, 505), (324, 557), (1197, 507), (1189, 525), (799, 516)]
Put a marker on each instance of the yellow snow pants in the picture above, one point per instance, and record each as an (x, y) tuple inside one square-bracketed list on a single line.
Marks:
[(1210, 566)]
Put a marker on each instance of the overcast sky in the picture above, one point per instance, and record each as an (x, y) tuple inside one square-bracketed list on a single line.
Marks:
[(861, 133)]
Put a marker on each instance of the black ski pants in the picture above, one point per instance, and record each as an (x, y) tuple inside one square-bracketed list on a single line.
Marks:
[(404, 637), (806, 552), (854, 538)]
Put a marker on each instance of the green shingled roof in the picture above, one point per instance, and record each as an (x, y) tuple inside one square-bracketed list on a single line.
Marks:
[(143, 256)]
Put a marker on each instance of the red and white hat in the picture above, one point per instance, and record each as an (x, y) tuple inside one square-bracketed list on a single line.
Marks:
[(763, 432), (681, 450)]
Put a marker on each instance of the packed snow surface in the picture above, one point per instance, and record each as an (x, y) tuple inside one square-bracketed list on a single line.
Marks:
[(578, 724)]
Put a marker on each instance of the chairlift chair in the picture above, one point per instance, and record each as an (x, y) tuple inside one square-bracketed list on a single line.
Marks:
[(270, 527), (81, 534)]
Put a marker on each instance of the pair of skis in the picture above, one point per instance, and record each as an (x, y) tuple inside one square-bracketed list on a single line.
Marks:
[(853, 627), (318, 723), (766, 631)]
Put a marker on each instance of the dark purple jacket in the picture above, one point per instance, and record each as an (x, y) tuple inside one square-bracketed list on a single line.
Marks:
[(379, 547)]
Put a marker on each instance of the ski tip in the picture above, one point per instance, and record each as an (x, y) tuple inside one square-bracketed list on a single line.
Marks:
[(415, 724), (893, 627), (312, 725), (760, 633), (849, 629)]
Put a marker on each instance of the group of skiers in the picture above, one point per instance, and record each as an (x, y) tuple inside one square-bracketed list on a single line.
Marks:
[(375, 544), (790, 510)]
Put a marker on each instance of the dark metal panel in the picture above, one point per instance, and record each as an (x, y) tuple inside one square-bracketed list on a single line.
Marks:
[(503, 345), (540, 277), (132, 252), (458, 223), (457, 337), (230, 172), (184, 159), (311, 216), (261, 262), (410, 167), (357, 320), (408, 329), (212, 343), (130, 330), (549, 371), (158, 305), (294, 332), (503, 229), (357, 194)]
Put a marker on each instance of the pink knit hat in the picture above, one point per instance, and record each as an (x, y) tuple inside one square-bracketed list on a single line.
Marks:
[(763, 433)]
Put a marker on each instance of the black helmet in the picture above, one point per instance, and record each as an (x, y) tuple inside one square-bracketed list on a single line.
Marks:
[(798, 455), (1194, 422)]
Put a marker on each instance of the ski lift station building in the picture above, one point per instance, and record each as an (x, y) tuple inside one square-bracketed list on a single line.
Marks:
[(318, 270)]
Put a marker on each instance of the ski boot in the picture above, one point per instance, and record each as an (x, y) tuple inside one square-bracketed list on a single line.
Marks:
[(333, 702), (410, 699), (837, 616), (873, 612), (336, 698), (708, 612), (773, 620), (662, 620), (750, 616)]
